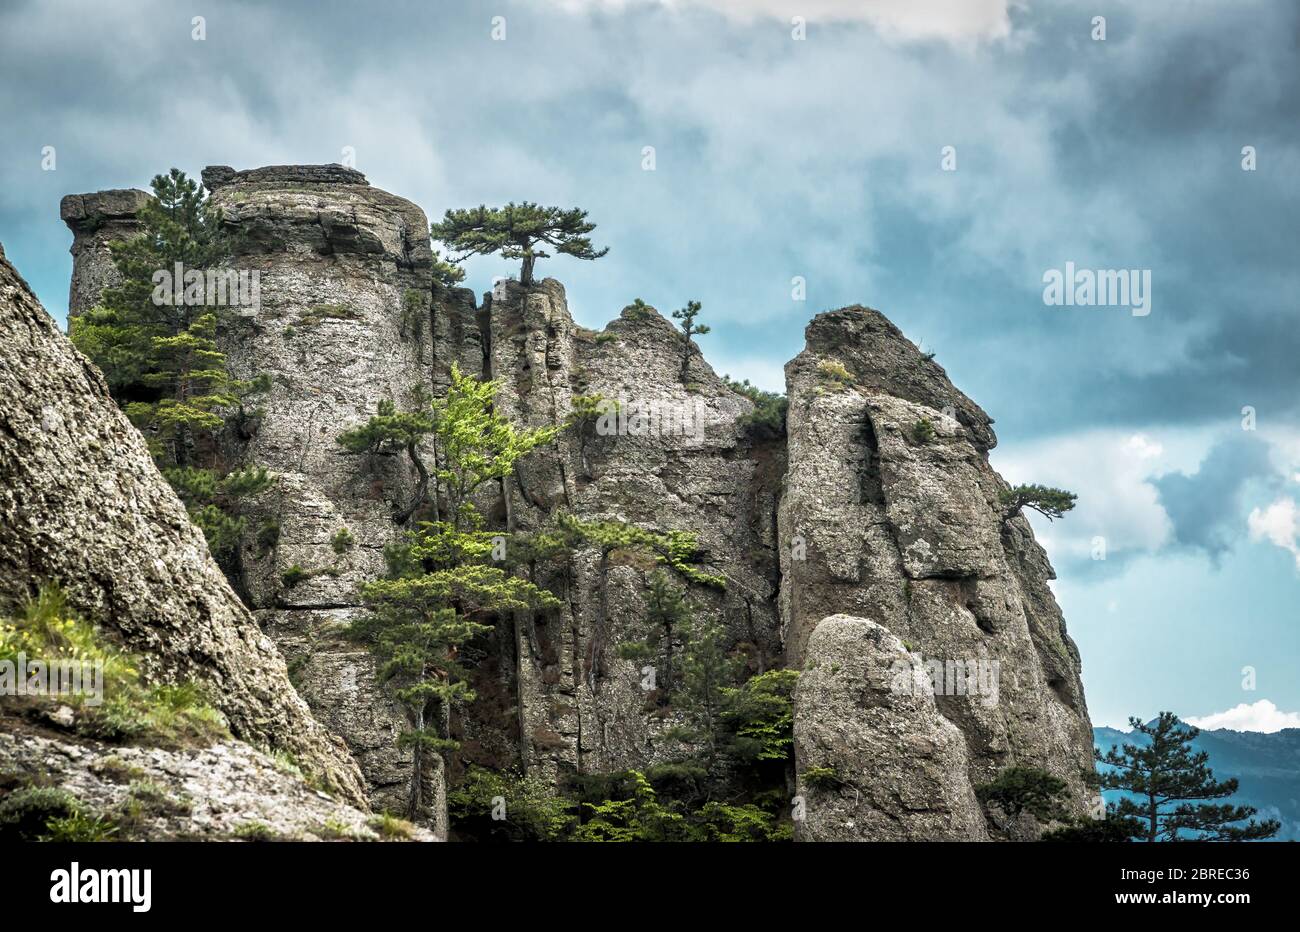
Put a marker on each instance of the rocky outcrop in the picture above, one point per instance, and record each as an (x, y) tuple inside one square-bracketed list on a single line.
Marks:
[(95, 221), (225, 792), (877, 760), (678, 461), (879, 504), (891, 513), (342, 324), (82, 503)]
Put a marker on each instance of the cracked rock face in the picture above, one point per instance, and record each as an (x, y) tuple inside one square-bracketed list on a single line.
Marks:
[(891, 767), (689, 468), (900, 524), (860, 516), (81, 502), (343, 323)]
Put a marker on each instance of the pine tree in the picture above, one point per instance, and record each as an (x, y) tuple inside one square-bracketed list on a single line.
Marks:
[(708, 670), (690, 328), (1167, 778), (443, 588), (666, 615), (516, 231), (391, 431), (161, 361), (1049, 502)]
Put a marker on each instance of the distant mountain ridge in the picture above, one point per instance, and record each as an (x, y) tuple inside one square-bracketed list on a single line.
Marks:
[(1267, 767)]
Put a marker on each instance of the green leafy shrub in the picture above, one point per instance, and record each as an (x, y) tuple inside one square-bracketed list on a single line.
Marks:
[(834, 374), (531, 810), (767, 420), (342, 541), (923, 431)]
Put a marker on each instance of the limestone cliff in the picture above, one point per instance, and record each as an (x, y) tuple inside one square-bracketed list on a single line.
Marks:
[(859, 548), (82, 503)]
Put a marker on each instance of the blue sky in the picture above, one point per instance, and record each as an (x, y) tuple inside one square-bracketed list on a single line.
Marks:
[(821, 158)]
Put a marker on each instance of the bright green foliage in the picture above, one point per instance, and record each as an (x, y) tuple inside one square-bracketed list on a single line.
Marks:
[(1025, 789), (342, 541), (162, 364), (690, 329), (679, 550), (516, 231), (445, 272), (158, 714), (476, 443), (759, 716), (1168, 780), (834, 373), (443, 589), (722, 822), (639, 817), (1048, 502), (767, 420), (528, 808)]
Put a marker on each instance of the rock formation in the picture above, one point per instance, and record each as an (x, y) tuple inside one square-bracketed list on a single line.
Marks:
[(82, 503), (863, 548)]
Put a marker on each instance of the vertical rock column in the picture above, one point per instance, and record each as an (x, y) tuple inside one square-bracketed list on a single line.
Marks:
[(96, 220), (341, 325), (891, 513)]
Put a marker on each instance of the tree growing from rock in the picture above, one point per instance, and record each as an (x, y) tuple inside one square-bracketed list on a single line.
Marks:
[(1166, 781), (1049, 502), (1025, 790), (690, 329), (443, 586), (517, 231), (666, 615), (390, 431), (162, 365)]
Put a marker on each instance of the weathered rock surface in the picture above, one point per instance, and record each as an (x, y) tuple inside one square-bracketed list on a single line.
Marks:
[(855, 512), (687, 467), (343, 323), (901, 524), (898, 768), (95, 221), (81, 502), (224, 792)]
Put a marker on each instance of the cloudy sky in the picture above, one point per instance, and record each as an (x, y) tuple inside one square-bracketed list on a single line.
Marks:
[(822, 157)]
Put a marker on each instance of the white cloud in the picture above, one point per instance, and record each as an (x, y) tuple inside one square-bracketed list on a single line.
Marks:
[(1108, 471), (951, 20), (1278, 524), (1261, 716)]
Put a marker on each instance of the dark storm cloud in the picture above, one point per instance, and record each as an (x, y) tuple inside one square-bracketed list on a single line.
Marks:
[(1205, 507), (775, 159)]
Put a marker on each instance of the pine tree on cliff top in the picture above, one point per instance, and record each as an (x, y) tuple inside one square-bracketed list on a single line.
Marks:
[(517, 231)]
